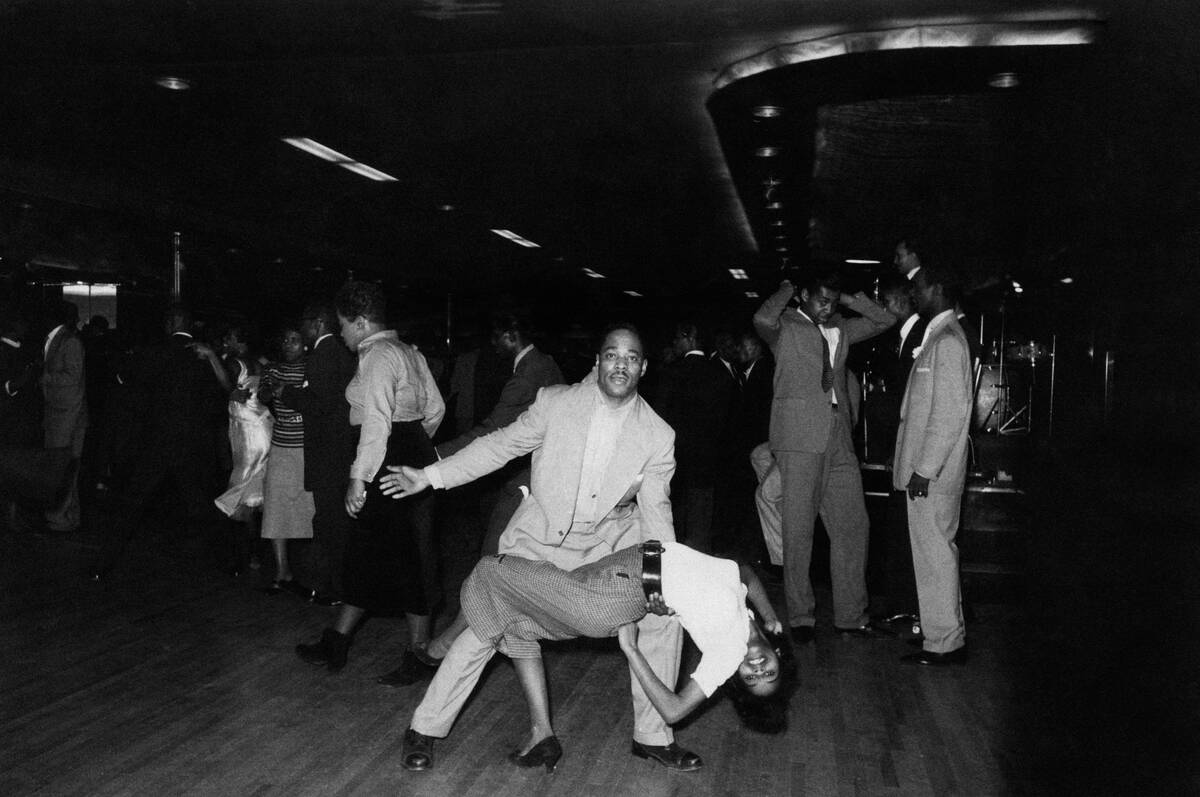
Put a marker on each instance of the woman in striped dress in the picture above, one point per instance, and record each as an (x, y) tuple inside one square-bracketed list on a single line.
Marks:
[(287, 506)]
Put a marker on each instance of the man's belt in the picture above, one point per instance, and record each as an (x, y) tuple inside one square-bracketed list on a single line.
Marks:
[(651, 567)]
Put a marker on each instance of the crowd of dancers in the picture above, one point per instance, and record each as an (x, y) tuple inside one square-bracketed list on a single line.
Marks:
[(644, 497)]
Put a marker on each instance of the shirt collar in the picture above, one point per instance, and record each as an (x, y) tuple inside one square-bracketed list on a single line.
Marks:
[(383, 334), (182, 334), (907, 326), (520, 354), (16, 344), (317, 342), (693, 351), (935, 321), (912, 273)]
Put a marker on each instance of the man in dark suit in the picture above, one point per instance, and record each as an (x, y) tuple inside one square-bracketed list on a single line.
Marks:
[(329, 444), (695, 395), (892, 363), (65, 415), (532, 369), (810, 438), (177, 387)]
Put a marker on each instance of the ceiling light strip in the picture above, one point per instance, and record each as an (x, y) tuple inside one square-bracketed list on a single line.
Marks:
[(518, 240)]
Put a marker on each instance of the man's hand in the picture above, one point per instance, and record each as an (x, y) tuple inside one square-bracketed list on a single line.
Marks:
[(627, 635), (656, 605), (845, 299), (356, 497), (918, 486), (403, 481), (787, 285)]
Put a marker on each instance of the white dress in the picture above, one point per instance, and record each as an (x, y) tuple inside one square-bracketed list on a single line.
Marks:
[(250, 426)]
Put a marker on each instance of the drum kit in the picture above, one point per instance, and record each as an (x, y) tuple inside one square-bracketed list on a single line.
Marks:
[(1004, 386)]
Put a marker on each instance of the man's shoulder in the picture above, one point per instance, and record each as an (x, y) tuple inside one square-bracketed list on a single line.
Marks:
[(651, 422)]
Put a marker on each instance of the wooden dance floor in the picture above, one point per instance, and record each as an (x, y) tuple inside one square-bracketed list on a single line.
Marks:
[(175, 679)]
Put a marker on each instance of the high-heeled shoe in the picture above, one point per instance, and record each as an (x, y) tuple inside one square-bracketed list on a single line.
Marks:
[(545, 753)]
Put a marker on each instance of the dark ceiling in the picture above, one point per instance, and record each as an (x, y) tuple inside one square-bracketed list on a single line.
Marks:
[(611, 133)]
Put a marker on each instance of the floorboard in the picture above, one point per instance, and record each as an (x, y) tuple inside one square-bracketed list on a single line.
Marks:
[(173, 678)]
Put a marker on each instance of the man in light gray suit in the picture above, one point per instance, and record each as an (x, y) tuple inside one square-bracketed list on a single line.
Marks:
[(810, 439), (602, 464), (931, 464)]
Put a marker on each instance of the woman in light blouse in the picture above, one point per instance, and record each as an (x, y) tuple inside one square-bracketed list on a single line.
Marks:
[(396, 407)]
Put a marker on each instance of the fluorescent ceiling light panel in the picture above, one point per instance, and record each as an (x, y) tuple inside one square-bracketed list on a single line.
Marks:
[(596, 275), (751, 294), (739, 274), (634, 294), (366, 171), (856, 262), (512, 236), (319, 150)]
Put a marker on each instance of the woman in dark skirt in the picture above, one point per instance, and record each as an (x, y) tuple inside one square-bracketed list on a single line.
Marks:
[(390, 559)]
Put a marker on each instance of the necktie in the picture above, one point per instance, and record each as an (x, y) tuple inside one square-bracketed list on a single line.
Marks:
[(826, 368)]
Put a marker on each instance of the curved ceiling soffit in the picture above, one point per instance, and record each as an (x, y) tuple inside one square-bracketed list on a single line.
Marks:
[(1063, 32), (1082, 29)]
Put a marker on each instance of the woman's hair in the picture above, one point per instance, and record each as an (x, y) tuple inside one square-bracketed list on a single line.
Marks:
[(767, 713), (364, 299)]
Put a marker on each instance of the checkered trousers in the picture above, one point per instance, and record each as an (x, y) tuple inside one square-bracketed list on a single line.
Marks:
[(513, 602)]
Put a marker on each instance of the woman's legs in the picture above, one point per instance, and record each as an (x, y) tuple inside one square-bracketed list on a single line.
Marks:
[(283, 569), (533, 681), (418, 630)]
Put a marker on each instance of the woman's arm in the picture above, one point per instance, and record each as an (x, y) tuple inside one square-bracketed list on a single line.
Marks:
[(673, 707), (759, 600), (205, 352)]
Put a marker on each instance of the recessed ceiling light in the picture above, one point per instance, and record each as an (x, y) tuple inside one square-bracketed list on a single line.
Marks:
[(1067, 280), (173, 83), (1018, 289), (857, 262), (778, 223), (518, 240), (768, 111), (739, 274), (446, 206), (751, 294), (782, 248), (774, 205), (634, 294), (596, 275), (1004, 80), (766, 152)]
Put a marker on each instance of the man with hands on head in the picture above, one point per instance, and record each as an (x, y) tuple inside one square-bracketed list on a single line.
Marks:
[(602, 461), (810, 439)]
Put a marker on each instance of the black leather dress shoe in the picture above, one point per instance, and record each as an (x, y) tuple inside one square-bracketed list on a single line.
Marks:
[(671, 756), (410, 671), (416, 754), (862, 632), (323, 599), (803, 634), (931, 659)]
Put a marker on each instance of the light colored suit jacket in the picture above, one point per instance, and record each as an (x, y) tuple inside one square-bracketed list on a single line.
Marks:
[(935, 417), (554, 429), (63, 389), (800, 414)]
